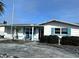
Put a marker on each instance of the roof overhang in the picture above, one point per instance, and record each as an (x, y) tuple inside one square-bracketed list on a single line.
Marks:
[(31, 25)]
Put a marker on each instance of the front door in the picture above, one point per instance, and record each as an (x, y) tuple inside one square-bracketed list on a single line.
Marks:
[(41, 32)]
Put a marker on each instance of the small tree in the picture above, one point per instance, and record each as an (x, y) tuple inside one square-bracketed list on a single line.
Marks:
[(1, 7)]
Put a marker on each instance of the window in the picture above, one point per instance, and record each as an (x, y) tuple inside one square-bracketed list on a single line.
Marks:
[(64, 31), (57, 30), (61, 31)]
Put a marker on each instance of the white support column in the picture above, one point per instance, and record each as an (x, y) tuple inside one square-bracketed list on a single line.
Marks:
[(32, 33), (29, 32), (15, 33), (59, 40)]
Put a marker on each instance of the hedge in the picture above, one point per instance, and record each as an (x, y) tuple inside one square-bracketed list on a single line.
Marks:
[(49, 39), (70, 40)]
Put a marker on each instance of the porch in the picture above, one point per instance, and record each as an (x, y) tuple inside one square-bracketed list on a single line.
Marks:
[(23, 32)]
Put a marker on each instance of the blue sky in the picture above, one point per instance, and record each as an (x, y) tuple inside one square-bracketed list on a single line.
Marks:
[(38, 11)]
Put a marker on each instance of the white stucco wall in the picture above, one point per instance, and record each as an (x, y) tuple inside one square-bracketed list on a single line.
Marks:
[(75, 31), (47, 28), (2, 29), (7, 33)]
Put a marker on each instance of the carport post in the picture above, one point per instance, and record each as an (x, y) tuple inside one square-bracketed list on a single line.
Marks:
[(32, 33), (59, 40), (15, 32)]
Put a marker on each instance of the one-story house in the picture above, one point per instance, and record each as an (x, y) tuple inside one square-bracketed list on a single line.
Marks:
[(34, 32)]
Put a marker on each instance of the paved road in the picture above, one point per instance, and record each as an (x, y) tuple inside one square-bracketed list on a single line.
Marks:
[(34, 50)]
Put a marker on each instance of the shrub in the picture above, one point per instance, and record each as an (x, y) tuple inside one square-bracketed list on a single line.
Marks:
[(49, 39), (42, 39), (70, 40), (46, 38), (53, 39)]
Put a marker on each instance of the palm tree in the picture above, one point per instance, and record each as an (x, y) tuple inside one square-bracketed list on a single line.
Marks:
[(1, 7)]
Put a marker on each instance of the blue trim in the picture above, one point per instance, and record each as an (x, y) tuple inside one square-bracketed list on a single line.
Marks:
[(69, 31), (52, 31)]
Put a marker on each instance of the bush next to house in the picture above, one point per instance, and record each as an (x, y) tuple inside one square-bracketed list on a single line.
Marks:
[(42, 39), (70, 40), (65, 40), (53, 39), (49, 39)]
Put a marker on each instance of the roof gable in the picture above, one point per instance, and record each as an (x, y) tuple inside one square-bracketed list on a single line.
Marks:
[(74, 24)]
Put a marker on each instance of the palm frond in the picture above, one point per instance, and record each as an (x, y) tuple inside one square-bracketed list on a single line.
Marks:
[(1, 7)]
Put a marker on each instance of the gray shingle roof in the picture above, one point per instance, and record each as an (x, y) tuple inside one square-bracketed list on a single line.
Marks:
[(75, 24)]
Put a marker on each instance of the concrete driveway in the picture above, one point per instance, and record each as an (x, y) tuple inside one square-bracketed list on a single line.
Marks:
[(34, 50)]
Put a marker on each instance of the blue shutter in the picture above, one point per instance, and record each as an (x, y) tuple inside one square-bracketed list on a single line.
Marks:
[(69, 31), (52, 31)]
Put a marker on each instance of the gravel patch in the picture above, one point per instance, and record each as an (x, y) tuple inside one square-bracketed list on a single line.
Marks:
[(71, 49), (33, 50)]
